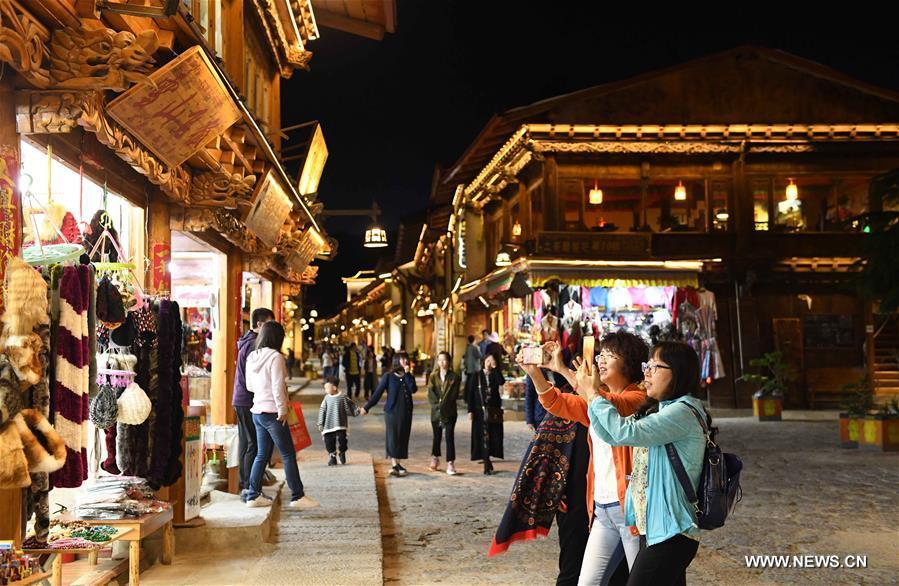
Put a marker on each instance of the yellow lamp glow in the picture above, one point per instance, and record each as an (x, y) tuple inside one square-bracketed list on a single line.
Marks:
[(680, 192), (792, 191), (516, 229), (503, 259), (595, 196)]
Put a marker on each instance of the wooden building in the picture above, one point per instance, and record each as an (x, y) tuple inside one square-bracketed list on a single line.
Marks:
[(746, 172)]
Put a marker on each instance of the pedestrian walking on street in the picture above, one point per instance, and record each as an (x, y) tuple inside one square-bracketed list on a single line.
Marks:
[(471, 367), (443, 395), (485, 410), (655, 500), (267, 380), (369, 369), (333, 420), (352, 370), (399, 386), (619, 369), (327, 363), (242, 399)]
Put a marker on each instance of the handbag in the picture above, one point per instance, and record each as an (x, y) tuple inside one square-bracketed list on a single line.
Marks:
[(297, 424), (719, 482)]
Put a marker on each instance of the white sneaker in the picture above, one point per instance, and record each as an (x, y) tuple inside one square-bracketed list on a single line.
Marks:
[(259, 502), (451, 469), (304, 503)]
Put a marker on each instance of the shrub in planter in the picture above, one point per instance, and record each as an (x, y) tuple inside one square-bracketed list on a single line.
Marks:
[(853, 413), (773, 378)]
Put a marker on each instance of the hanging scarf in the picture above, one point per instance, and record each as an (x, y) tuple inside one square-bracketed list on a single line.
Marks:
[(539, 489)]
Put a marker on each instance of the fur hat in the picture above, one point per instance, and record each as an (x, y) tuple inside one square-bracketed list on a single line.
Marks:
[(103, 408), (12, 400), (110, 307), (13, 465), (44, 449), (124, 335), (24, 354), (25, 299), (134, 405)]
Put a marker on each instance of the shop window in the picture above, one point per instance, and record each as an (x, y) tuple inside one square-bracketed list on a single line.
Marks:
[(760, 190), (256, 80), (207, 15), (67, 201), (666, 212), (820, 203), (619, 206), (719, 210)]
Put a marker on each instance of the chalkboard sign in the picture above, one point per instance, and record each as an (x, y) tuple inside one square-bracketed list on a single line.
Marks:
[(829, 331)]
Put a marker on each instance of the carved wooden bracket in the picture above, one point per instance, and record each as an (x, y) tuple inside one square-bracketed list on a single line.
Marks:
[(48, 112), (93, 59), (221, 190), (23, 43)]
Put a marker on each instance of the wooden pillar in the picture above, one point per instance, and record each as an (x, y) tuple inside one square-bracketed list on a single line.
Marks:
[(551, 203), (222, 410), (234, 45), (11, 511), (159, 246)]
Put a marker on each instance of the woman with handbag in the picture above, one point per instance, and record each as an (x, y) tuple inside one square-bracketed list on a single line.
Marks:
[(267, 379), (485, 410), (399, 385), (655, 502)]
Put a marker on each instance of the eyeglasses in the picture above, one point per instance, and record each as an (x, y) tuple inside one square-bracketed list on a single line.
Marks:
[(605, 357), (652, 367)]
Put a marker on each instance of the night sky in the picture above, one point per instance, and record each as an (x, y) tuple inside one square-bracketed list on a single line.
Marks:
[(392, 110)]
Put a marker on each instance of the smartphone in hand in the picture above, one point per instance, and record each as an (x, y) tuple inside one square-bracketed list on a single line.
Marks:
[(532, 355)]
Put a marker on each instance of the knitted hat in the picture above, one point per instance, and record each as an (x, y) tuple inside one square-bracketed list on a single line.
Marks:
[(25, 300), (110, 309), (103, 408), (43, 448), (13, 464), (134, 405), (125, 334)]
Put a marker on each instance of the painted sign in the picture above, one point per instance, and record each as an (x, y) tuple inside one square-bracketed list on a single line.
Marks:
[(310, 245), (186, 106), (314, 164), (588, 245), (160, 277), (271, 206), (193, 467)]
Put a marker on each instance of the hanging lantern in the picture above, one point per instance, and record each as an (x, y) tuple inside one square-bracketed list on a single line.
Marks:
[(680, 192), (595, 196), (721, 215), (792, 191), (375, 237), (503, 259), (516, 229), (313, 313)]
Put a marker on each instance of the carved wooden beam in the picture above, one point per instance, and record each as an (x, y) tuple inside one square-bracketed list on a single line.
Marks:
[(48, 112), (88, 59), (221, 190), (23, 43)]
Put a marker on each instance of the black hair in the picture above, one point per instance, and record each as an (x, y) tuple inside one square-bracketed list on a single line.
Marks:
[(485, 332), (631, 349), (333, 380), (684, 365), (261, 314), (397, 366), (445, 353), (471, 339), (271, 335)]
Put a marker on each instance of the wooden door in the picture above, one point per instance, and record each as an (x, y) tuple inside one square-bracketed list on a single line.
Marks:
[(788, 341)]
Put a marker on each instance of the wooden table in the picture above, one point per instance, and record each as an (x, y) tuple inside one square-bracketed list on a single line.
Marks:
[(140, 528), (55, 555), (32, 579)]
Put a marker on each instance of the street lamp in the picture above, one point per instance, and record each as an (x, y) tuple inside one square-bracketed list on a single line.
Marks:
[(375, 235), (313, 313)]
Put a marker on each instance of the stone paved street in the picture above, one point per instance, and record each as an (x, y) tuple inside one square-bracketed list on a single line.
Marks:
[(802, 495)]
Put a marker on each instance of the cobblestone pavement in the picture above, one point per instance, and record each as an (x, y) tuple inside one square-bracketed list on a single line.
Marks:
[(802, 495)]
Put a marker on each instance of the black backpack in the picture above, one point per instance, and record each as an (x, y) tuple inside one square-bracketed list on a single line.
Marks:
[(719, 482)]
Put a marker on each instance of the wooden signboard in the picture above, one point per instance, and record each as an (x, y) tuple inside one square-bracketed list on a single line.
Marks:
[(188, 108), (270, 208), (589, 245), (314, 164), (310, 246)]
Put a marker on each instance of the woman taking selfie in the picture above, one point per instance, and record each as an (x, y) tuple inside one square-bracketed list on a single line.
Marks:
[(620, 371), (399, 385), (655, 502)]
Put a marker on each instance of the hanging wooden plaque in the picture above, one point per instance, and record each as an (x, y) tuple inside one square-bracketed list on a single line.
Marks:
[(270, 207), (188, 107), (311, 244)]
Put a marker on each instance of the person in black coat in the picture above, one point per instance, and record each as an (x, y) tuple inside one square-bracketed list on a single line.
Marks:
[(399, 385), (485, 411)]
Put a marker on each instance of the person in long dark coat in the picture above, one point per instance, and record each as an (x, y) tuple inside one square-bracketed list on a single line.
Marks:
[(400, 385), (485, 411)]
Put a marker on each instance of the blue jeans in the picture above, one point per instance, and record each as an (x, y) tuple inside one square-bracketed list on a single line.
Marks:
[(610, 541), (270, 433)]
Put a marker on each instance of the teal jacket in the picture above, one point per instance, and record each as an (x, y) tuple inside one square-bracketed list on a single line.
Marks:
[(668, 512)]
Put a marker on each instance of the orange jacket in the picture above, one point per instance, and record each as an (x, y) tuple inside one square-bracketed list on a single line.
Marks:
[(574, 408)]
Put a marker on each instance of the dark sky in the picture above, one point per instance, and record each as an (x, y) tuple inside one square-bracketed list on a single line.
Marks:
[(392, 110)]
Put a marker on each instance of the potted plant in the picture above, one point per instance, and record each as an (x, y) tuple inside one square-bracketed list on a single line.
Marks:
[(854, 411), (773, 379), (881, 429)]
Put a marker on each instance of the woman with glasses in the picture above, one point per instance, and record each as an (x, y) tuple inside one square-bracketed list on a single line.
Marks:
[(618, 376), (655, 501)]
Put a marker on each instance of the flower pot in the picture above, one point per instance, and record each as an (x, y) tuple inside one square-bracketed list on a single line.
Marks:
[(880, 433), (767, 408), (849, 430)]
